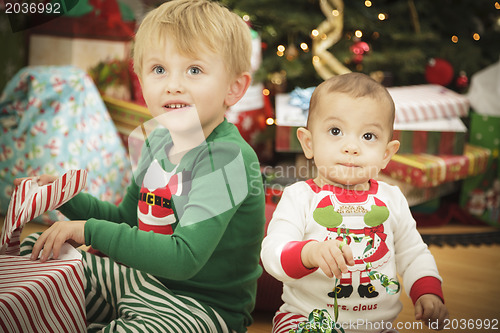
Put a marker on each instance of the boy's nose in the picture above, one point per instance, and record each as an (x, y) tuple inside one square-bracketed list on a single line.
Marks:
[(174, 85)]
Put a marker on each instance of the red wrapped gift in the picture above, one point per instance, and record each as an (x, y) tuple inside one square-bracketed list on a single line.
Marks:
[(35, 296), (41, 297), (424, 170)]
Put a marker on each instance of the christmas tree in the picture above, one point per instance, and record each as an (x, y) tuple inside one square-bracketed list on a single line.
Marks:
[(399, 42)]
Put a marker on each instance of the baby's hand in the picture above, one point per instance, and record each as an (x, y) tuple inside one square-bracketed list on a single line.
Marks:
[(328, 256), (430, 308)]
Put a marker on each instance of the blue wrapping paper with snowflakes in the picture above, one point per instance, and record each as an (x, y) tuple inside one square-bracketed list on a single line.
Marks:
[(52, 119)]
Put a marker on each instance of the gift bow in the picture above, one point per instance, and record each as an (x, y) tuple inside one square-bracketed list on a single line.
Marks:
[(30, 200)]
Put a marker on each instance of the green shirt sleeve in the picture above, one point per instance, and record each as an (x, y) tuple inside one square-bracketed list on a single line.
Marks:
[(84, 207)]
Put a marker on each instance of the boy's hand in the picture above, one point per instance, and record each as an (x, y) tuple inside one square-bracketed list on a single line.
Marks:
[(430, 308), (328, 256), (54, 237), (41, 180)]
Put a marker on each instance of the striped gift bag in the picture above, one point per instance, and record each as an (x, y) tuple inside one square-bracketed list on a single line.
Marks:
[(30, 200)]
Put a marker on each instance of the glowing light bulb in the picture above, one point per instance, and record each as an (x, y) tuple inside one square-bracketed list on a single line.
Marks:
[(335, 12), (497, 5), (315, 59), (304, 47), (368, 3), (269, 121), (246, 18), (476, 36), (358, 33), (454, 39), (315, 33), (382, 16), (266, 92)]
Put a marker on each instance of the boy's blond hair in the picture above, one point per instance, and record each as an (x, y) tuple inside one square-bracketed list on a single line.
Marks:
[(194, 25), (355, 85)]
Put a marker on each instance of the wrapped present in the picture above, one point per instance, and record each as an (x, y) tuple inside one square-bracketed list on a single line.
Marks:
[(100, 26), (421, 195), (436, 137), (35, 296), (53, 119), (427, 102), (424, 170), (480, 195), (30, 200)]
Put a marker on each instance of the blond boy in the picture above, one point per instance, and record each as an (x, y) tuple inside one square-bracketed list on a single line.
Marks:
[(187, 234)]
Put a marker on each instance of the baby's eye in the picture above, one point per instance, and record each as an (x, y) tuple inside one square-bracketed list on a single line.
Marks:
[(194, 70), (369, 137), (159, 70), (335, 131)]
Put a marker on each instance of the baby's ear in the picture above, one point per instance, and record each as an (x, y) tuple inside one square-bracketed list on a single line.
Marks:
[(305, 139), (391, 149), (237, 89)]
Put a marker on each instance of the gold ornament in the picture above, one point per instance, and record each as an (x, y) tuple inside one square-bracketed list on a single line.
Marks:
[(325, 35)]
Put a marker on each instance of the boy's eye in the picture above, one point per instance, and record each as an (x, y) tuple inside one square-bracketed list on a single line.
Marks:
[(158, 70), (369, 136), (335, 131), (194, 70)]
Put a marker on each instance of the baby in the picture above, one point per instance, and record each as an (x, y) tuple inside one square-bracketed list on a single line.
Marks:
[(358, 231)]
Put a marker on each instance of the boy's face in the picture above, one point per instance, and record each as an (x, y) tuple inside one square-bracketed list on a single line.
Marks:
[(187, 92), (349, 139)]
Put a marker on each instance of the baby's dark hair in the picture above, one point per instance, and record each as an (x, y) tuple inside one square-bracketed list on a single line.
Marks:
[(355, 85)]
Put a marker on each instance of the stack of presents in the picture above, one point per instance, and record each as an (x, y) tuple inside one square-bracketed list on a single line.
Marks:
[(47, 113)]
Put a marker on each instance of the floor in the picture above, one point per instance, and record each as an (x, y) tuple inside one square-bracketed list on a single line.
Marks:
[(471, 284)]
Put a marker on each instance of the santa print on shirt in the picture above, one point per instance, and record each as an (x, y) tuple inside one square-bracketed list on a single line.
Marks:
[(356, 217), (155, 208)]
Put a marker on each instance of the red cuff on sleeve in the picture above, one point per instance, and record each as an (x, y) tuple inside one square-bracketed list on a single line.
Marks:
[(291, 260), (426, 285)]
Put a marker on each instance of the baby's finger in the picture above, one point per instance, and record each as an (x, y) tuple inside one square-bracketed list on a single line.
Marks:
[(347, 252), (325, 267), (338, 260), (418, 311)]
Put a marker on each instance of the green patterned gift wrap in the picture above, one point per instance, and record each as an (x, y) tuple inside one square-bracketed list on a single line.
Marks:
[(480, 195)]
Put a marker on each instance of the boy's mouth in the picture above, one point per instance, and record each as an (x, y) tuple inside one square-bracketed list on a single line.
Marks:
[(175, 106)]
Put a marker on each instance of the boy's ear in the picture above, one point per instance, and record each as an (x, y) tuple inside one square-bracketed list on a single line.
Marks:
[(305, 139), (391, 149), (238, 89)]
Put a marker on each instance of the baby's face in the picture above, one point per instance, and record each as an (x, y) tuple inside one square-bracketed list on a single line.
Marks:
[(350, 138)]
